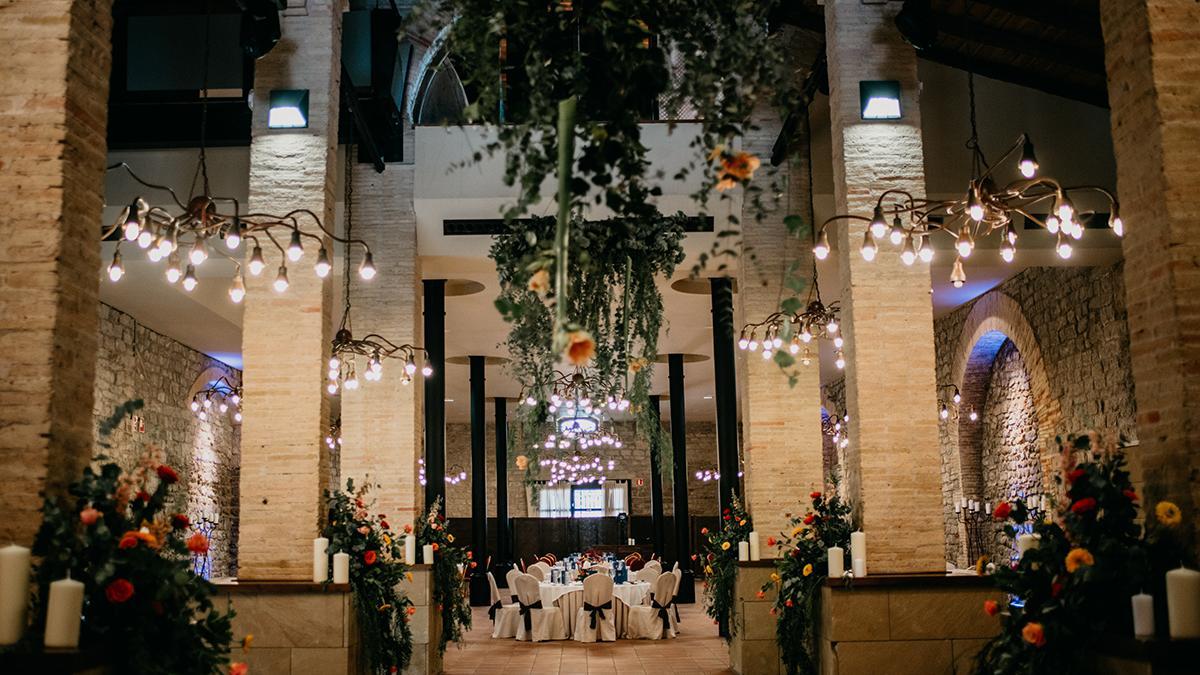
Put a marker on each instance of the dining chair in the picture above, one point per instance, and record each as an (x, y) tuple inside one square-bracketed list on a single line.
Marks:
[(511, 580), (536, 623), (595, 621), (647, 574), (505, 617), (540, 570), (675, 594), (653, 622), (654, 565)]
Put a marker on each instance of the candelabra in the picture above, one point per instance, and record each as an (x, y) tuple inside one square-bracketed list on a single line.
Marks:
[(974, 517)]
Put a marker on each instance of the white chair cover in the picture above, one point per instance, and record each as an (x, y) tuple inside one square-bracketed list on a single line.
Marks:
[(537, 623), (676, 567), (649, 575), (505, 617), (596, 619), (675, 594), (653, 564), (540, 570), (653, 622), (510, 581)]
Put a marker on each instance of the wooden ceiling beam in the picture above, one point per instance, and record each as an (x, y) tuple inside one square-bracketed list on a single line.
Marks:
[(1080, 18), (1090, 61), (1097, 96)]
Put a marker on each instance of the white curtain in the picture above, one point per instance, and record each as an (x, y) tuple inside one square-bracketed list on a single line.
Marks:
[(554, 501), (616, 498)]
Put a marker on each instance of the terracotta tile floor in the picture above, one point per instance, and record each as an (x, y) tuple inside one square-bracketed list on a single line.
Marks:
[(698, 649)]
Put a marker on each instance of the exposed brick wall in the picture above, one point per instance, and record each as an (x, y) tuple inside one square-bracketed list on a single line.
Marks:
[(136, 362), (633, 462), (53, 116), (1150, 57)]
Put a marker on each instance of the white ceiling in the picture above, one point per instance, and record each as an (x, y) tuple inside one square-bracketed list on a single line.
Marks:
[(1073, 144)]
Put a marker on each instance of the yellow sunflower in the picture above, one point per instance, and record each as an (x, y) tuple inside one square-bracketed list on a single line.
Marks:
[(1079, 557), (1168, 514), (724, 546)]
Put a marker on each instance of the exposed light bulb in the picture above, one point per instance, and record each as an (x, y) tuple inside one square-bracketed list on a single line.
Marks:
[(973, 416), (1010, 233), (924, 250), (908, 254), (144, 239), (743, 343), (367, 269), (767, 354), (133, 225), (427, 371), (233, 238), (173, 273), (1063, 247), (1052, 224), (1007, 252), (237, 290), (1029, 163), (869, 249), (821, 250), (896, 234), (410, 366), (1115, 222), (1065, 209), (839, 359), (958, 276), (974, 205), (154, 255), (256, 264), (964, 243), (165, 245), (323, 265), (831, 327), (879, 227), (295, 249), (944, 412), (281, 280), (116, 270), (199, 252), (189, 279)]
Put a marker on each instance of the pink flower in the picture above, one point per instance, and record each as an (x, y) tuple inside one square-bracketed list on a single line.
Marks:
[(89, 516)]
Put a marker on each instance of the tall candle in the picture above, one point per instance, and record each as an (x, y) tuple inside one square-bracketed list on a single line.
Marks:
[(837, 562), (320, 560), (14, 592), (755, 553), (427, 554), (63, 612), (410, 550), (1183, 603), (858, 545), (743, 550), (957, 508), (860, 567), (1143, 615), (341, 567)]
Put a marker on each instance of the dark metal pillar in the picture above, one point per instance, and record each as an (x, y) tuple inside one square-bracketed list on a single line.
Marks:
[(656, 492), (503, 557), (683, 521), (435, 392), (480, 591), (726, 389)]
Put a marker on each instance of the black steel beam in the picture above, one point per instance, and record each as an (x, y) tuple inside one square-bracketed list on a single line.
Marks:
[(726, 389), (435, 392), (682, 516), (658, 533), (480, 591)]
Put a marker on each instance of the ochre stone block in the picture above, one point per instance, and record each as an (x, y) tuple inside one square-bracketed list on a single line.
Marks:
[(912, 657), (919, 614)]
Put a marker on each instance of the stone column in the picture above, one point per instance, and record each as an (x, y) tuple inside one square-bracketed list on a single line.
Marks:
[(893, 472), (1150, 48), (285, 336), (53, 113), (781, 424), (382, 422)]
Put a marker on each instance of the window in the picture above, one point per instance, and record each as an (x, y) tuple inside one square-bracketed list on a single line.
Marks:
[(583, 501), (587, 501)]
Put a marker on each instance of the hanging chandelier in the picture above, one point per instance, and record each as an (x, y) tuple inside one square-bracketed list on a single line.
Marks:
[(578, 469), (333, 438), (457, 475), (834, 428), (797, 330), (220, 396), (986, 209)]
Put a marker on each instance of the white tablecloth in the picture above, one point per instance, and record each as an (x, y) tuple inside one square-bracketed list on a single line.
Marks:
[(569, 598)]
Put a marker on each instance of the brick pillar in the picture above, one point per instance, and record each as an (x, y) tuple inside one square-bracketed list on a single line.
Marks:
[(53, 112), (382, 422), (893, 470), (781, 425), (285, 336), (1150, 53)]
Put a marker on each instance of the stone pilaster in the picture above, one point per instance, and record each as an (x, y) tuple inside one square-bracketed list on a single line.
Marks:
[(1150, 54), (53, 114), (893, 464), (426, 623), (286, 335), (382, 422)]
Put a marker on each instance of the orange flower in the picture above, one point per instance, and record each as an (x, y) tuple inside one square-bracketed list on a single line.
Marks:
[(761, 595), (435, 546), (735, 169), (128, 540), (198, 544), (238, 668), (411, 610), (247, 641), (89, 516), (636, 365), (991, 608), (1034, 634), (1079, 557), (540, 282), (580, 347), (407, 529)]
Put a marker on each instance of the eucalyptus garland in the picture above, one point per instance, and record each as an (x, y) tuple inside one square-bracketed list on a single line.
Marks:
[(615, 300)]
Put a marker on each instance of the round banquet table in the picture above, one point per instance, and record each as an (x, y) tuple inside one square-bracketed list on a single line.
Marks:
[(569, 599)]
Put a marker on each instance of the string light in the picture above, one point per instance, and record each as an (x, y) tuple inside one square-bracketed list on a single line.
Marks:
[(220, 397)]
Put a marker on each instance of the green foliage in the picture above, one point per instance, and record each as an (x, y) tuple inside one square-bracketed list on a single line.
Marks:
[(720, 552), (143, 607), (450, 564), (801, 569), (376, 571)]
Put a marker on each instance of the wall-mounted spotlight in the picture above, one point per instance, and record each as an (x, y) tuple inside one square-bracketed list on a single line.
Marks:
[(289, 109), (880, 99)]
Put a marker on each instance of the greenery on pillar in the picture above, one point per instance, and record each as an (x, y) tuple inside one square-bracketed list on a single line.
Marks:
[(450, 566), (720, 557)]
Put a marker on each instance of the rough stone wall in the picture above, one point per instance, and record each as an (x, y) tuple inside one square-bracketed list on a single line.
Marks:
[(833, 401), (633, 462), (136, 362)]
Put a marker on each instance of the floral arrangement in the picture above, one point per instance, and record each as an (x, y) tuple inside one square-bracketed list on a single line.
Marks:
[(376, 571), (720, 564), (1074, 586), (800, 570), (450, 566), (143, 607)]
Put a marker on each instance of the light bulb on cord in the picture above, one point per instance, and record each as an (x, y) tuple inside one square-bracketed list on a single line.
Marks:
[(1029, 163), (964, 244), (1076, 230), (831, 327), (173, 273), (879, 227), (233, 238), (743, 342), (908, 254), (1064, 208), (237, 290), (924, 249), (821, 250), (839, 359), (974, 205), (323, 265), (427, 371), (958, 276), (295, 249), (281, 280), (869, 249), (1052, 224), (944, 413), (116, 270), (1114, 221), (367, 269), (1010, 233), (154, 255), (410, 366), (189, 279), (957, 397), (144, 239), (1007, 252), (133, 226), (1063, 247), (199, 252), (166, 245), (896, 235), (256, 264)]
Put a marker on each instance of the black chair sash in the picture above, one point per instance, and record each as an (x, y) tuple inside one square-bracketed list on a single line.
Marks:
[(663, 614), (527, 612), (492, 610), (596, 610)]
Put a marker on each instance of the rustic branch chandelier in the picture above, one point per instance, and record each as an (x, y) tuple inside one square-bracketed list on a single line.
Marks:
[(798, 330), (220, 396), (985, 209)]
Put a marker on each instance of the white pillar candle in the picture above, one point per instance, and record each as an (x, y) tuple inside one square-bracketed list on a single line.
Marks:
[(755, 553), (320, 560), (14, 592), (987, 507), (858, 545), (743, 551), (963, 502), (1143, 615), (1025, 542), (410, 550), (1183, 603), (957, 508), (341, 567), (427, 554), (837, 562), (860, 567), (63, 612)]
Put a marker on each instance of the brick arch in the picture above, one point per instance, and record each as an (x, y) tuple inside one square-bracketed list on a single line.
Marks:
[(995, 319)]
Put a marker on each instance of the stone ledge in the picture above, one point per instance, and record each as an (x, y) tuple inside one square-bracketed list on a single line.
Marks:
[(233, 585), (931, 579)]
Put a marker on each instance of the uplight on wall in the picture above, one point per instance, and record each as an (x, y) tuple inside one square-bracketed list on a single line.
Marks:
[(880, 99), (289, 109)]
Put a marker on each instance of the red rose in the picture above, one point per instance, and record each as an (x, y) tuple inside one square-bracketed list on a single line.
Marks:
[(1085, 505), (142, 496), (726, 517), (991, 607), (382, 516), (369, 557), (693, 556), (384, 525), (815, 495), (238, 668), (704, 530), (771, 541), (1131, 495), (473, 564), (128, 540), (180, 521), (470, 554), (725, 511), (118, 591), (198, 544), (789, 602), (407, 529), (1075, 475), (808, 519), (89, 516), (1002, 511), (1056, 589), (167, 475)]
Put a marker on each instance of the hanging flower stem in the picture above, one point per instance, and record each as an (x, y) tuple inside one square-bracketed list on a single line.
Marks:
[(562, 232)]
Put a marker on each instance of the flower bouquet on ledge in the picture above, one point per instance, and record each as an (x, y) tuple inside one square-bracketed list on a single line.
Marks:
[(1072, 585), (376, 570), (800, 569), (143, 607), (720, 551), (451, 564)]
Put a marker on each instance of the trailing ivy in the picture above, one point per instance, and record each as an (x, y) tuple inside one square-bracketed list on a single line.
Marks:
[(720, 552)]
